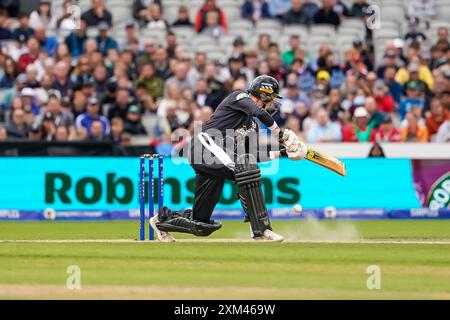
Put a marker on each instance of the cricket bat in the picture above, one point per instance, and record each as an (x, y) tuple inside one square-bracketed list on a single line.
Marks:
[(326, 161)]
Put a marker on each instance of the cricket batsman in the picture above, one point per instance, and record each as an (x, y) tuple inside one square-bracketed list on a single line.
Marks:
[(222, 150)]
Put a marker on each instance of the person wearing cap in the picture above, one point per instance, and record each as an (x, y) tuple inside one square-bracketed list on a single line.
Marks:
[(414, 97), (97, 14), (362, 128), (387, 132), (104, 41), (255, 10), (323, 76), (133, 124), (92, 114), (238, 47), (183, 17), (28, 100), (235, 67)]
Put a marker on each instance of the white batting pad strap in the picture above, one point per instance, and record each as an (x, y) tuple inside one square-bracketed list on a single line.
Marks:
[(272, 155), (220, 154)]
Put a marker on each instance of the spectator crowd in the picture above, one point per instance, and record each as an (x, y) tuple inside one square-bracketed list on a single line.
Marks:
[(103, 88)]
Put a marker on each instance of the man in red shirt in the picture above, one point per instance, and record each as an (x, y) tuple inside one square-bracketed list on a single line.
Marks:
[(386, 132), (29, 57), (200, 20), (383, 98)]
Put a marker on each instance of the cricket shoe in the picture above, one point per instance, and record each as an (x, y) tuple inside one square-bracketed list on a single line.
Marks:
[(162, 235), (269, 235)]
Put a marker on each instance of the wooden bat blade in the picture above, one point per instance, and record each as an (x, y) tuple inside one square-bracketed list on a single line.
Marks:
[(326, 161)]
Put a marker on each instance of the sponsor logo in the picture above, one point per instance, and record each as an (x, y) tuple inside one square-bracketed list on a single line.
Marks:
[(424, 213), (9, 214), (63, 189), (439, 195)]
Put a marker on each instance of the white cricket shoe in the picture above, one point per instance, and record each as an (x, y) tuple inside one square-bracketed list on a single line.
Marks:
[(269, 235), (162, 235)]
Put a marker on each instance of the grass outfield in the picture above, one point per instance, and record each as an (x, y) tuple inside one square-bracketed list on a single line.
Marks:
[(228, 270)]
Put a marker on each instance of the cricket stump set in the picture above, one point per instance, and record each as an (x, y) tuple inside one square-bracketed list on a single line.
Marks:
[(151, 194)]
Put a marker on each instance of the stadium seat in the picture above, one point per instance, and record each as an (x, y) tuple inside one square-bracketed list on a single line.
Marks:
[(184, 32), (170, 13), (300, 30), (355, 23), (323, 30), (157, 35), (434, 25), (398, 3), (272, 32), (240, 32), (216, 56), (386, 33), (227, 41), (268, 23), (444, 12), (92, 32), (231, 12), (121, 14), (202, 39), (392, 13), (241, 24), (359, 33)]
